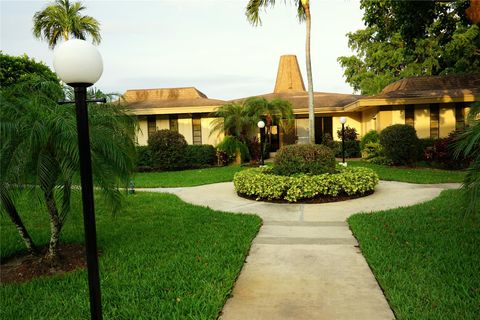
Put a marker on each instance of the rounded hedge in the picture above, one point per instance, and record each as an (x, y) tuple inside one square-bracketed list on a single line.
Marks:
[(168, 149), (400, 144), (369, 137), (304, 158), (262, 184)]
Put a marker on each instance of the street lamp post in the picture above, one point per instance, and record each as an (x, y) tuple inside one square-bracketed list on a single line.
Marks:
[(261, 125), (79, 64), (343, 120)]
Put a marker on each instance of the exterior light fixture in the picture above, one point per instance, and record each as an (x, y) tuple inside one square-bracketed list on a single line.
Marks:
[(79, 64), (261, 125), (343, 120)]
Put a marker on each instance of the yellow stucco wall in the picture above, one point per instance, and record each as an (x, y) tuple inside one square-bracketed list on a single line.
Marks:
[(142, 133), (162, 122), (185, 128), (422, 121), (213, 139), (354, 120), (447, 119), (369, 121)]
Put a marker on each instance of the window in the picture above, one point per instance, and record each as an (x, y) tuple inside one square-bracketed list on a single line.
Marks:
[(197, 129), (459, 116), (410, 115), (173, 122), (151, 124), (434, 121)]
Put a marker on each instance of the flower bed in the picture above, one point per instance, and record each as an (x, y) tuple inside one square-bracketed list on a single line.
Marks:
[(261, 184)]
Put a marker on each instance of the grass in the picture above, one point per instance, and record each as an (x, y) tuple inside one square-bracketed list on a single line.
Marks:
[(186, 178), (425, 258), (411, 175), (160, 259)]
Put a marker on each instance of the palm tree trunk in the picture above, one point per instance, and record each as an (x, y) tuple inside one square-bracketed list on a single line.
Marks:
[(311, 111), (55, 226), (17, 221)]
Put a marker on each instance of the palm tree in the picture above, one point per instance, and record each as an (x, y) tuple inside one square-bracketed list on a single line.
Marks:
[(63, 19), (46, 153), (468, 146), (303, 13), (234, 119), (275, 112)]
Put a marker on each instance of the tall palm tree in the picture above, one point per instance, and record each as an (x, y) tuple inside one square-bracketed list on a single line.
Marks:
[(63, 19), (46, 153), (303, 13)]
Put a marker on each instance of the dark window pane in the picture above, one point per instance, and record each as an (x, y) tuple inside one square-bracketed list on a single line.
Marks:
[(459, 116), (151, 124), (173, 122), (410, 115), (434, 121)]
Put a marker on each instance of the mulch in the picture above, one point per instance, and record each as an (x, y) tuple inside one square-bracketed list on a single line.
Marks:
[(317, 199), (24, 267)]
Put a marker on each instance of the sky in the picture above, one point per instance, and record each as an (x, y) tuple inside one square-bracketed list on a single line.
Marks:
[(207, 44)]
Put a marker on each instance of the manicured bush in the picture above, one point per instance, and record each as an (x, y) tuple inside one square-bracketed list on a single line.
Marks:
[(442, 154), (352, 149), (369, 137), (304, 158), (168, 149), (262, 184), (200, 156), (230, 145), (372, 150), (144, 156), (400, 144)]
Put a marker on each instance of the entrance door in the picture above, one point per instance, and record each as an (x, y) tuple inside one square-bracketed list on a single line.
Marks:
[(323, 125)]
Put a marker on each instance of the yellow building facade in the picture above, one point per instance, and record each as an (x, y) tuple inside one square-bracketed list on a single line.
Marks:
[(433, 105)]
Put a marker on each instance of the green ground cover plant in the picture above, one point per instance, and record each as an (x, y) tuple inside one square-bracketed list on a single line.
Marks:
[(425, 257), (411, 175), (160, 259), (185, 178), (263, 184)]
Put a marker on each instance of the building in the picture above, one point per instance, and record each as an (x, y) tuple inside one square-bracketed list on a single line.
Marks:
[(434, 105)]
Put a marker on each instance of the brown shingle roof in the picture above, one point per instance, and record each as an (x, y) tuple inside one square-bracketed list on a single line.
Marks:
[(432, 86), (168, 97), (299, 100)]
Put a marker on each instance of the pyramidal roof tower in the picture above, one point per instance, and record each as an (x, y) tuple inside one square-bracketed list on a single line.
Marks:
[(289, 77)]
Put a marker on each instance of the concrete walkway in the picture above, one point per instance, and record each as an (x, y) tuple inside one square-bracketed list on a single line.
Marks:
[(305, 263)]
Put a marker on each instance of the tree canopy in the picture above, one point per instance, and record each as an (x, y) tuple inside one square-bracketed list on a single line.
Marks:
[(410, 38), (15, 69)]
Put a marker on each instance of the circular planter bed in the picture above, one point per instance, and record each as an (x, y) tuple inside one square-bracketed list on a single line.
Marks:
[(347, 183)]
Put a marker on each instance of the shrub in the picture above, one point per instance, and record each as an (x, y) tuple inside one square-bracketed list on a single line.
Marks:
[(372, 150), (442, 153), (304, 158), (144, 156), (262, 184), (200, 156), (369, 137), (230, 145), (400, 143), (168, 150), (426, 149), (350, 134), (352, 149), (254, 149)]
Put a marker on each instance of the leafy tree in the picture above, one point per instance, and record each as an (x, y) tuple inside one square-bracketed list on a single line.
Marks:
[(410, 38), (468, 146), (39, 139), (14, 69), (62, 19), (303, 13)]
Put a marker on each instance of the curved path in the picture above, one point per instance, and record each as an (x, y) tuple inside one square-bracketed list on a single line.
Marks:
[(305, 262)]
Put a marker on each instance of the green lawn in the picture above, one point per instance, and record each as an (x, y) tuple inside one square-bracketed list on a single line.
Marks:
[(161, 259), (425, 257), (185, 178), (412, 175)]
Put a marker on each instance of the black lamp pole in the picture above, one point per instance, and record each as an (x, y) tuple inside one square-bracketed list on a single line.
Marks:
[(262, 138), (343, 142), (87, 199)]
